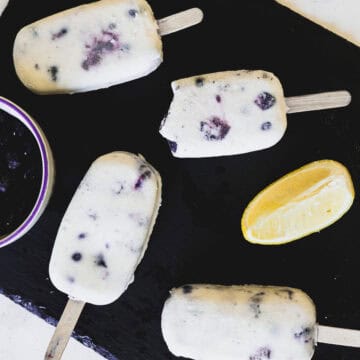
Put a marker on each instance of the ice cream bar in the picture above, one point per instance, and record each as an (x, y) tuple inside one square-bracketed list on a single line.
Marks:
[(339, 16), (104, 234), (94, 46), (233, 112), (3, 4), (250, 322)]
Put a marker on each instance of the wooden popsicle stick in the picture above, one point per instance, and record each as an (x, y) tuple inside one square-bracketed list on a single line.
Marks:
[(322, 101), (64, 329), (180, 21), (338, 336)]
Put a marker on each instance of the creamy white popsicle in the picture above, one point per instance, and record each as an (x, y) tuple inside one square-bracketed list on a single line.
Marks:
[(94, 46), (234, 112), (3, 5), (338, 16), (106, 228), (225, 113), (89, 47), (209, 322)]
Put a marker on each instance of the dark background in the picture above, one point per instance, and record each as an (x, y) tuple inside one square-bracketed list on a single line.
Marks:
[(197, 238)]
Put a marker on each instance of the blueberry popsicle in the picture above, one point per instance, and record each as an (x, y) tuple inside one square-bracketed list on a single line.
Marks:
[(104, 233), (234, 112), (338, 16), (94, 46), (249, 322)]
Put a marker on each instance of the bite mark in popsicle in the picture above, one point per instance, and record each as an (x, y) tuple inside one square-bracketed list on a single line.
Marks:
[(244, 109)]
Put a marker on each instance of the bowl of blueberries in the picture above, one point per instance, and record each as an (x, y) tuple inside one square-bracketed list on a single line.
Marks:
[(26, 172)]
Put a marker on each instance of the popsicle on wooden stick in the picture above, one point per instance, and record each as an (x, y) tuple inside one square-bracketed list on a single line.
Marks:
[(338, 16), (103, 236), (3, 4), (234, 112), (250, 322), (94, 46)]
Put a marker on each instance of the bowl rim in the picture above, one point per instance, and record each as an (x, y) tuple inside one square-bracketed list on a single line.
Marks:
[(40, 138)]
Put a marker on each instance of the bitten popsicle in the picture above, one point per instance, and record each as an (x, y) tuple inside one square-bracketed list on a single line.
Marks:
[(250, 322), (234, 112), (103, 236), (3, 5), (94, 46), (338, 16)]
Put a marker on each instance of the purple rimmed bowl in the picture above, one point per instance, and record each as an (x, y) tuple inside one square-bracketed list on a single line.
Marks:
[(47, 169)]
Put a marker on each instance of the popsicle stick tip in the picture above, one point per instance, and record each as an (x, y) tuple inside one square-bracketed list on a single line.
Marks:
[(180, 21), (322, 101)]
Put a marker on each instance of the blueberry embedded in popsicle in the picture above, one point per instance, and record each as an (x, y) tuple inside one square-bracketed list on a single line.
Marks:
[(305, 335), (146, 174), (218, 98), (215, 128), (62, 32), (187, 289), (76, 256), (199, 81), (255, 303), (101, 45), (262, 354), (265, 100), (133, 13), (266, 126), (172, 145), (53, 71), (100, 261), (82, 236)]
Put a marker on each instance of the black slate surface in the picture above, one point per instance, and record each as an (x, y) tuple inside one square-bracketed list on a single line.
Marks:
[(197, 237)]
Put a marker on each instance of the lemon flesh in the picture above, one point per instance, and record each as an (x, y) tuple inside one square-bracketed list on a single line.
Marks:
[(298, 204)]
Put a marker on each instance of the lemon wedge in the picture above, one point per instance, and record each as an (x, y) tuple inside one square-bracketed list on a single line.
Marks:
[(298, 204)]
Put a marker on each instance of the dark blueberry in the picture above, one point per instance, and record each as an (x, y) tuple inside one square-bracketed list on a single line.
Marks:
[(82, 236), (118, 190), (305, 335), (107, 245), (133, 12), (199, 82), (36, 66), (266, 125), (172, 145), (76, 256), (289, 293), (53, 71), (59, 34), (100, 261), (262, 354), (93, 216), (265, 101), (112, 26), (218, 98), (215, 128), (105, 43), (71, 279), (255, 302), (145, 175), (187, 289)]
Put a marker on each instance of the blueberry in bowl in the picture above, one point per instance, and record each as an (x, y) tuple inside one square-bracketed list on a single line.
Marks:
[(26, 172)]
